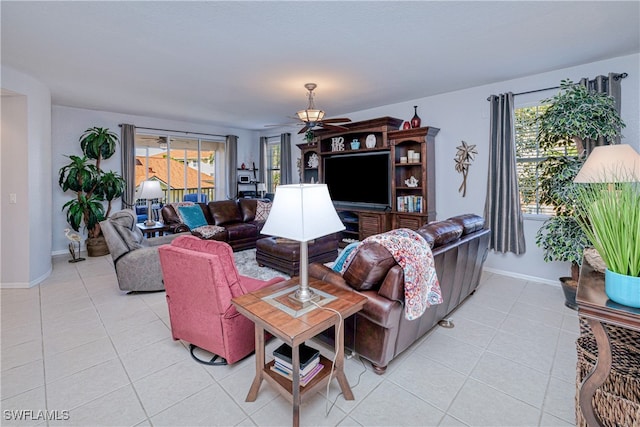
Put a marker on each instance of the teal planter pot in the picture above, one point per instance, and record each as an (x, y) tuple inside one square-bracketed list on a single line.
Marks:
[(622, 289)]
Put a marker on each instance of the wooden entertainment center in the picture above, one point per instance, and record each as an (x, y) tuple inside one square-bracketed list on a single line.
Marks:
[(411, 154)]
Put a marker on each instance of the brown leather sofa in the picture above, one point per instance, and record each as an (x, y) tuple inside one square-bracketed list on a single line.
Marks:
[(237, 218), (380, 331)]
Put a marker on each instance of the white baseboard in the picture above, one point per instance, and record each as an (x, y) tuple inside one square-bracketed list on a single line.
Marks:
[(522, 276), (26, 285)]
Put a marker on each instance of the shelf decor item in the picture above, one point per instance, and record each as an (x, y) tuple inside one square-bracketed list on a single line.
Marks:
[(355, 144), (415, 120), (609, 213), (370, 142), (337, 143), (313, 161), (411, 182)]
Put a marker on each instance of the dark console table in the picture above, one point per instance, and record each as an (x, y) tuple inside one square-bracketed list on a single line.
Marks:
[(597, 309)]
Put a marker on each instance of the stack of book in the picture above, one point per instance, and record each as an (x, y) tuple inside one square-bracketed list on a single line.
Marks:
[(409, 204), (309, 363)]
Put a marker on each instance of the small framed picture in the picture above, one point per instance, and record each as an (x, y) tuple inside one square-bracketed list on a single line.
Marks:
[(244, 179)]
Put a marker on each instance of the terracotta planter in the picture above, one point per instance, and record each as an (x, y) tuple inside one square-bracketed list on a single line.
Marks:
[(569, 287), (96, 246)]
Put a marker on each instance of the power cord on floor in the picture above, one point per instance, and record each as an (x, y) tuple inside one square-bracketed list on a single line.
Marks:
[(333, 362)]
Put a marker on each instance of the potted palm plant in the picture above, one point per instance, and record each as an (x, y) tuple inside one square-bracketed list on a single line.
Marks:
[(92, 186), (609, 213), (574, 115)]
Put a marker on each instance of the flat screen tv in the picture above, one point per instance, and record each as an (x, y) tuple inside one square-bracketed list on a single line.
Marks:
[(359, 179)]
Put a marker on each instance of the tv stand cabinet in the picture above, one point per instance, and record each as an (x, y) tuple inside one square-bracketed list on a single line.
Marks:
[(361, 223)]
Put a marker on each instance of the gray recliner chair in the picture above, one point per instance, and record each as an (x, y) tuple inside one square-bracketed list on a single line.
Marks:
[(135, 258)]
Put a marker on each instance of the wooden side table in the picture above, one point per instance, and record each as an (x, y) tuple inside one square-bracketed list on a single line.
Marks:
[(294, 331), (151, 230), (598, 309)]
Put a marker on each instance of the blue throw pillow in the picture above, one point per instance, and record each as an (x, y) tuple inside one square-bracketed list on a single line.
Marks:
[(192, 216), (339, 262)]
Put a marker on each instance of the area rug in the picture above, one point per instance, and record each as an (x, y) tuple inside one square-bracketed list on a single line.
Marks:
[(247, 266)]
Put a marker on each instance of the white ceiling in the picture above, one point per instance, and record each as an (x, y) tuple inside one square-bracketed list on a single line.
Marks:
[(244, 64)]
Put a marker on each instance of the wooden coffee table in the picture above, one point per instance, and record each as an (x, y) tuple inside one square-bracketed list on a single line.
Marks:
[(260, 307)]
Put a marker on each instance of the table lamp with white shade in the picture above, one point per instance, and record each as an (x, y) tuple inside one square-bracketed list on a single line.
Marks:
[(262, 188), (610, 163), (302, 212), (149, 190)]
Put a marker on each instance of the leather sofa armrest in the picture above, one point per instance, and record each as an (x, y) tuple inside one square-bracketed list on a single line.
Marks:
[(381, 311), (324, 273), (392, 287), (181, 228)]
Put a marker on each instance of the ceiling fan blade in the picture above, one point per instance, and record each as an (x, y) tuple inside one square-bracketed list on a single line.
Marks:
[(304, 128), (333, 127), (337, 120), (282, 124)]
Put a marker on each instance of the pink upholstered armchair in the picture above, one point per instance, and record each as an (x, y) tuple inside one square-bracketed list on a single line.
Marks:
[(200, 278)]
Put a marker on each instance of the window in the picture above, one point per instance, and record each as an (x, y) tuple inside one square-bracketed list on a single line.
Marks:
[(273, 165), (529, 155), (182, 165)]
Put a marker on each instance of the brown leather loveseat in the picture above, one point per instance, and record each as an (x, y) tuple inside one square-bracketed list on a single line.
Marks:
[(235, 220), (380, 331)]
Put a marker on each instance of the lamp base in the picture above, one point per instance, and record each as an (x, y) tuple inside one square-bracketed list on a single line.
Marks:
[(149, 223), (305, 298), (284, 300)]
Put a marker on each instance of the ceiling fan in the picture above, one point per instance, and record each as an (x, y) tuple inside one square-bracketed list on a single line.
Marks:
[(312, 117)]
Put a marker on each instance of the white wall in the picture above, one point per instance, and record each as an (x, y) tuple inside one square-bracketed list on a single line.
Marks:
[(464, 115), (25, 246), (69, 124)]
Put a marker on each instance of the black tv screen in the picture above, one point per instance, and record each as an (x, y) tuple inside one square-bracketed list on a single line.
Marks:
[(360, 179)]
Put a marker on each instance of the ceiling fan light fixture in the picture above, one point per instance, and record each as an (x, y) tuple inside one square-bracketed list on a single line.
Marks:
[(310, 116)]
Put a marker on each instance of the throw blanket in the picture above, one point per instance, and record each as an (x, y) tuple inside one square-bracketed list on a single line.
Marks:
[(413, 254)]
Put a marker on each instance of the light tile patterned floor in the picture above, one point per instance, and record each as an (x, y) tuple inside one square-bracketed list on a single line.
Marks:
[(76, 343)]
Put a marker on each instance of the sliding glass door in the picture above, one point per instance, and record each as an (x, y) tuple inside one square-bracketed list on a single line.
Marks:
[(187, 168)]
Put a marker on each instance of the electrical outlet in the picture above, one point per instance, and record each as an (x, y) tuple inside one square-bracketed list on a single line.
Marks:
[(12, 198)]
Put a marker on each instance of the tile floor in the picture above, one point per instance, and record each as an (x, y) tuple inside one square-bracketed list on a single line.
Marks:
[(78, 346)]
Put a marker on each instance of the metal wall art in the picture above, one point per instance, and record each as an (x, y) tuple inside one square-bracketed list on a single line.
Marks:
[(465, 155)]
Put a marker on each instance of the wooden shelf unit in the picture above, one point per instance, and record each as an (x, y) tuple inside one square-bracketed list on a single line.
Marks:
[(362, 223), (398, 143), (413, 207)]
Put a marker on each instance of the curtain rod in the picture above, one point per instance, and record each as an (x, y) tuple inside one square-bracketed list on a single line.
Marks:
[(179, 131), (616, 77)]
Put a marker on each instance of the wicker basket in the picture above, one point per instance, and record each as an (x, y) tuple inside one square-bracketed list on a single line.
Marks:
[(617, 401)]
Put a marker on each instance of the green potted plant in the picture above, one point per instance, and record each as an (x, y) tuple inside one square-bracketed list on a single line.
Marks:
[(560, 236), (92, 186), (608, 212), (574, 115)]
